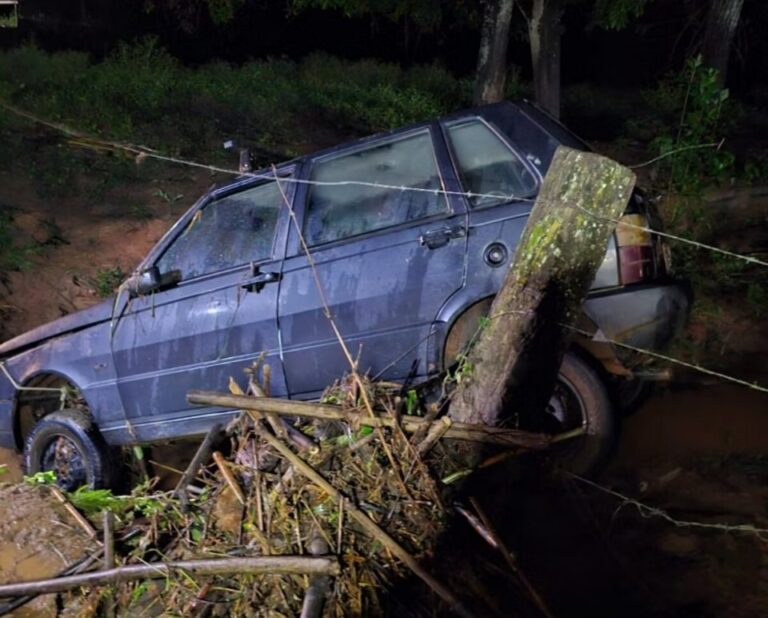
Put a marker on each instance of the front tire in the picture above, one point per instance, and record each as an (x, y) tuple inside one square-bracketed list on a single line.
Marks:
[(68, 444), (580, 400)]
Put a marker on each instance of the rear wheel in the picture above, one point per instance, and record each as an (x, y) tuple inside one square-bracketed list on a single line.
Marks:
[(580, 401), (68, 444)]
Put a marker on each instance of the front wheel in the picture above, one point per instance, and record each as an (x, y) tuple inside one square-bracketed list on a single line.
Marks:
[(68, 444), (580, 401)]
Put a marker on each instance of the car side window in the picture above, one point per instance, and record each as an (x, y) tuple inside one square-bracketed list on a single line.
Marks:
[(233, 230), (488, 167), (345, 203)]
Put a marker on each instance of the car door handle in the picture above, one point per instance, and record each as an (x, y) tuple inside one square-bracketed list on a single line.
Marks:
[(259, 280), (439, 237)]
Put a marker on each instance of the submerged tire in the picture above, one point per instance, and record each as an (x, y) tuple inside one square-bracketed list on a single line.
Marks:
[(68, 443), (581, 400)]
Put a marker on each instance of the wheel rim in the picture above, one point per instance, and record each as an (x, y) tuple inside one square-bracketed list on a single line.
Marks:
[(63, 457), (565, 410)]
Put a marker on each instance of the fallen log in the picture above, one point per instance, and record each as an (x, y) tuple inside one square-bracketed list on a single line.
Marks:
[(273, 565), (284, 407)]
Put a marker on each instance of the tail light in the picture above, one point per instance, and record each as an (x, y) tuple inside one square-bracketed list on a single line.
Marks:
[(635, 246)]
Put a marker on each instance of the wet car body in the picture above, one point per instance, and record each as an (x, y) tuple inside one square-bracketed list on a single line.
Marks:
[(406, 265)]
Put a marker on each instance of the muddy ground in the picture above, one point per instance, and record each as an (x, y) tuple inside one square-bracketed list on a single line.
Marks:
[(698, 449)]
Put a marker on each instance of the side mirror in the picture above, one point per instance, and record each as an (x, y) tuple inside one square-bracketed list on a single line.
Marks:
[(145, 282)]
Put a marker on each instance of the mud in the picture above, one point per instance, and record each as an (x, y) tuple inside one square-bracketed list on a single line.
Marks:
[(38, 539)]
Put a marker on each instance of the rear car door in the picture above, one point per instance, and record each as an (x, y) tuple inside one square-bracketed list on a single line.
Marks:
[(388, 247), (218, 319), (501, 185)]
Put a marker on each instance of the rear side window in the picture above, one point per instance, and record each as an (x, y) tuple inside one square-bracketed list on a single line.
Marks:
[(489, 169), (234, 230), (344, 203)]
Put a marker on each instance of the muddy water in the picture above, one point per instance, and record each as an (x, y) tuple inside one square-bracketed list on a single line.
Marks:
[(683, 423), (38, 539)]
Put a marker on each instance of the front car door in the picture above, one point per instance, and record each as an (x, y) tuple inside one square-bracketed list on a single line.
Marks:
[(212, 324), (388, 243)]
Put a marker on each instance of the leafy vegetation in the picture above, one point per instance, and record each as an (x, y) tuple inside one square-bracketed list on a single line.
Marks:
[(695, 97), (141, 94), (106, 280), (14, 255)]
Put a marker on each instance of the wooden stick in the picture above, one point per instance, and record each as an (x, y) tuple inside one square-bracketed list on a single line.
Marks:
[(436, 431), (509, 557), (273, 565), (202, 454), (255, 389), (319, 585), (223, 466), (78, 516), (285, 407), (365, 522), (108, 519)]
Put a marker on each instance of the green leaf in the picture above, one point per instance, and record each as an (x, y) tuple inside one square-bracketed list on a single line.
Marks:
[(48, 477)]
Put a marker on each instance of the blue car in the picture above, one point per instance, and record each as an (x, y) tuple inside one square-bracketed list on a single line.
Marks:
[(410, 233)]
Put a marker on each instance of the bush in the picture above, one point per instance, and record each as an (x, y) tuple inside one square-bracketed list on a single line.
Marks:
[(371, 95), (696, 110), (141, 94)]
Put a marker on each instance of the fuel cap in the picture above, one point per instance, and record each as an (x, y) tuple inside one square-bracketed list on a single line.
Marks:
[(495, 254)]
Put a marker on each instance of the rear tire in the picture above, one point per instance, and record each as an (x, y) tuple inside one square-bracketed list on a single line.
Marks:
[(580, 399), (68, 444)]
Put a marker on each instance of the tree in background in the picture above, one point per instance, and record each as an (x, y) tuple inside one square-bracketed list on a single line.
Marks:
[(722, 20), (544, 34), (544, 25), (491, 73)]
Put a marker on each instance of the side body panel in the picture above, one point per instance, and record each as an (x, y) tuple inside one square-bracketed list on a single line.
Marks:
[(83, 358), (198, 334), (383, 289)]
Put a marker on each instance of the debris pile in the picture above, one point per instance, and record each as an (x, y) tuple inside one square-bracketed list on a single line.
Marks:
[(309, 517)]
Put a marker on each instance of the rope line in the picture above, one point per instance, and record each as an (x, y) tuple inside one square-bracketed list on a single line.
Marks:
[(143, 152), (676, 361), (47, 389), (648, 512)]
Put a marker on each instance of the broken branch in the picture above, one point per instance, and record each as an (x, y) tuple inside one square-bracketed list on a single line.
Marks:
[(365, 522), (277, 565), (284, 407)]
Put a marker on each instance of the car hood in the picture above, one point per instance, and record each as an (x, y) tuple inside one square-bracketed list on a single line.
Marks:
[(67, 324)]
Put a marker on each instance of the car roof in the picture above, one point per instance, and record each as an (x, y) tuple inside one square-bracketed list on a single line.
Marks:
[(522, 111)]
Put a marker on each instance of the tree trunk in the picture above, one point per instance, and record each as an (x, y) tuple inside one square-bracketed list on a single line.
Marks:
[(513, 366), (722, 20), (492, 56), (544, 33)]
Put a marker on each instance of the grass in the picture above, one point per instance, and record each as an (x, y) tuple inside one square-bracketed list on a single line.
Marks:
[(14, 254), (106, 281), (141, 94)]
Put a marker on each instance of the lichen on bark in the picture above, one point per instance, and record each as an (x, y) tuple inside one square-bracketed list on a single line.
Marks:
[(555, 263)]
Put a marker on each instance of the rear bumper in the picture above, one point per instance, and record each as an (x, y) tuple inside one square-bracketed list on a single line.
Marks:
[(646, 317)]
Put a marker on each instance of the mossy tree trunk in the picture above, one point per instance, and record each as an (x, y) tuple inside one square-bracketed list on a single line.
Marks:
[(513, 367)]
